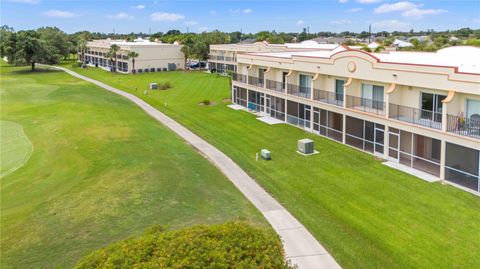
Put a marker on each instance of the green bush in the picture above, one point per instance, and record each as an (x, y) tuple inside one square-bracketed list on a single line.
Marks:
[(229, 245), (206, 102), (164, 86), (77, 64)]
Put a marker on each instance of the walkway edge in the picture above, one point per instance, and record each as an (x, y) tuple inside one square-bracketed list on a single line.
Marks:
[(301, 248)]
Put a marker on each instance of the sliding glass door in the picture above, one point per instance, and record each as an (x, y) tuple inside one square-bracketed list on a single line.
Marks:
[(432, 106)]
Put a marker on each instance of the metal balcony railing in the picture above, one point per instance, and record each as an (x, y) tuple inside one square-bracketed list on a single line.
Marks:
[(366, 105), (255, 81), (239, 78), (416, 116), (463, 126), (299, 91), (328, 97), (275, 85)]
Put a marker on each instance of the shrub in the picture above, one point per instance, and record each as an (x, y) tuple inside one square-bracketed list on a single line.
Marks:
[(206, 102), (77, 64), (229, 245), (164, 86)]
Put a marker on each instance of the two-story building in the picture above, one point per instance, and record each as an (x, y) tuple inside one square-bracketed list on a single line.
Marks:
[(223, 57), (418, 110), (152, 56)]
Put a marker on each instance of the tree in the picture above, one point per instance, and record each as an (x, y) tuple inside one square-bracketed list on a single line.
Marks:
[(133, 55), (113, 54), (8, 43), (82, 48), (55, 37), (28, 49)]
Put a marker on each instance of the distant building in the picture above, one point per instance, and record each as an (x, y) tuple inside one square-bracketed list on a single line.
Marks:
[(152, 56), (223, 57), (373, 45), (401, 44)]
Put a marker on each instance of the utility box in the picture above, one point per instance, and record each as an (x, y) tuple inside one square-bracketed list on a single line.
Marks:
[(265, 153), (153, 86), (306, 146)]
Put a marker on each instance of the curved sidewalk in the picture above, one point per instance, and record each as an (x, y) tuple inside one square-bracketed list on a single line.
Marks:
[(301, 247)]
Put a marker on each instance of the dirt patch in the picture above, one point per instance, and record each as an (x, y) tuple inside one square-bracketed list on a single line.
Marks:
[(207, 104), (227, 100)]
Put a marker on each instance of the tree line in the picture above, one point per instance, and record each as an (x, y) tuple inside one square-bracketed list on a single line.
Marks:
[(50, 44)]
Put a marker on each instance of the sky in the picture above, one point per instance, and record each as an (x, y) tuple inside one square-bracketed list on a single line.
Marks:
[(125, 16)]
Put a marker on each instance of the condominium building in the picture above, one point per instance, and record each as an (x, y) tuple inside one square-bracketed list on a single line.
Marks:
[(223, 57), (418, 110), (152, 56)]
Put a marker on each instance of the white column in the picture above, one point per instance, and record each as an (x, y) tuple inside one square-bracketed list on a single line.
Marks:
[(443, 155), (444, 117), (386, 142), (387, 105), (344, 96), (344, 128)]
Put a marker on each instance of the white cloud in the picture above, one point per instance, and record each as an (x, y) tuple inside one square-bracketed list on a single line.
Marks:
[(390, 25), (353, 10), (24, 1), (190, 23), (300, 22), (213, 12), (140, 7), (399, 6), (369, 1), (416, 12), (120, 16), (163, 16), (246, 11), (59, 14), (342, 1), (341, 22), (203, 29)]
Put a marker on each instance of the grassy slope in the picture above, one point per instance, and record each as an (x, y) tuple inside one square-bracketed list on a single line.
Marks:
[(101, 171), (366, 214)]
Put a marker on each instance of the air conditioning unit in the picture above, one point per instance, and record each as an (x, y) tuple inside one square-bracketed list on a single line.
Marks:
[(153, 86), (265, 153), (306, 146)]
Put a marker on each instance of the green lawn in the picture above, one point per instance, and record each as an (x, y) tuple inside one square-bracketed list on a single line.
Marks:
[(101, 170), (366, 214), (14, 145)]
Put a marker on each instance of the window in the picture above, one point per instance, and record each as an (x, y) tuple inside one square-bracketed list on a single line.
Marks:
[(473, 108), (261, 76), (339, 89), (372, 96), (431, 105), (284, 79), (305, 85)]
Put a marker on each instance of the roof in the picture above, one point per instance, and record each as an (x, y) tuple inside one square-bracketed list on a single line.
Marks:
[(465, 58), (106, 43), (402, 44), (321, 53)]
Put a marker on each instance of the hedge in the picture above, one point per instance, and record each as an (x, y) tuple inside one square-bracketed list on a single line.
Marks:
[(230, 245)]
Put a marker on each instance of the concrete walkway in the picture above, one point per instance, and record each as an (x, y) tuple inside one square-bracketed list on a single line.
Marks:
[(301, 247)]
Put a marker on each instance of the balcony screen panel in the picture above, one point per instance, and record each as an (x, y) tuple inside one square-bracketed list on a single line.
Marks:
[(462, 158), (406, 142), (292, 108), (354, 127)]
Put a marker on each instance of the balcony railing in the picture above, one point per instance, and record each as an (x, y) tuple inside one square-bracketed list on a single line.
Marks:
[(230, 59), (366, 105), (416, 116), (328, 97), (300, 91), (255, 81), (463, 126), (239, 78), (275, 85)]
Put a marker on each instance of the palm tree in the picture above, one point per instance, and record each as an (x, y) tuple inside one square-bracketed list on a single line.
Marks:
[(113, 53), (133, 55), (82, 47)]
